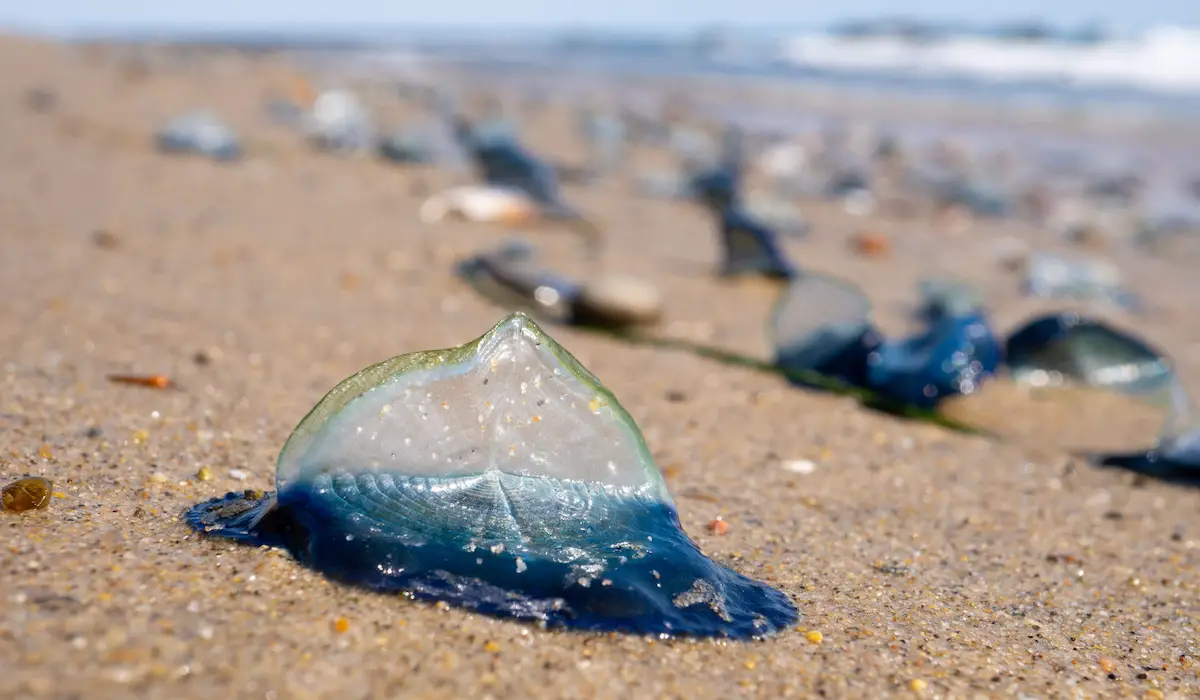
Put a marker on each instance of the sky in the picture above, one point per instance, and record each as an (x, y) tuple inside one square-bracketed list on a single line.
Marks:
[(74, 15)]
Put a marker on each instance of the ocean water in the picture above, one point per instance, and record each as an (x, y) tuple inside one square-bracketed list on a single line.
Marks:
[(1150, 77), (1123, 101)]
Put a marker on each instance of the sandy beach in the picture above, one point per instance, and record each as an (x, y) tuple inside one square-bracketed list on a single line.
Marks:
[(932, 564)]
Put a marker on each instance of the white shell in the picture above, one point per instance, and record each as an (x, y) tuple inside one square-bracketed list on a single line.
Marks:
[(479, 203)]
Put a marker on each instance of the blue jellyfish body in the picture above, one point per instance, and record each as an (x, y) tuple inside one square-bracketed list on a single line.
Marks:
[(750, 246), (503, 162), (653, 579), (1183, 466), (501, 477), (951, 357), (1067, 346), (823, 325)]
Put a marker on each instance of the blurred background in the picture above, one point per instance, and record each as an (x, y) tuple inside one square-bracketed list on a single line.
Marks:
[(1044, 156)]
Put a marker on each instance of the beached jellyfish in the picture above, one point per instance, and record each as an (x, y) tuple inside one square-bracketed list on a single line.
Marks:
[(503, 162), (824, 325), (748, 245), (339, 122), (1176, 455), (202, 133), (1081, 280), (510, 275), (502, 477), (1067, 348), (751, 247)]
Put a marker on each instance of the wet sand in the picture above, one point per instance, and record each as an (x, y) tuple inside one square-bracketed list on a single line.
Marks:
[(932, 563)]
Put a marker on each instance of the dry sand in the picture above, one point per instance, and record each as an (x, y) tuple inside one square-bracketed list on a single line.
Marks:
[(931, 563)]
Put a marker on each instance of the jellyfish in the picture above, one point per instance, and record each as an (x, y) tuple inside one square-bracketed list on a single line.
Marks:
[(823, 325), (510, 275), (750, 246), (199, 132), (502, 477), (1069, 348), (503, 162)]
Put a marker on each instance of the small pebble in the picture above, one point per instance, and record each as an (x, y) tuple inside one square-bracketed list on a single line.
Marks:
[(814, 636), (238, 474), (1108, 665), (31, 493), (718, 526), (799, 466), (491, 647), (41, 99), (341, 625), (871, 245), (103, 238), (204, 474), (917, 685), (158, 478), (620, 301)]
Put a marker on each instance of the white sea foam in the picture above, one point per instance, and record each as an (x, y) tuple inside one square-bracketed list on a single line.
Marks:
[(1162, 59)]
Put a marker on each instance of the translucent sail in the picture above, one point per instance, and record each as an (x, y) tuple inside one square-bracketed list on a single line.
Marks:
[(513, 401), (1068, 348), (816, 319)]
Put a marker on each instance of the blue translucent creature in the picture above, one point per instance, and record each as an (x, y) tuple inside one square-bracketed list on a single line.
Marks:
[(823, 325), (749, 245), (502, 477), (199, 132), (1067, 347), (503, 162)]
